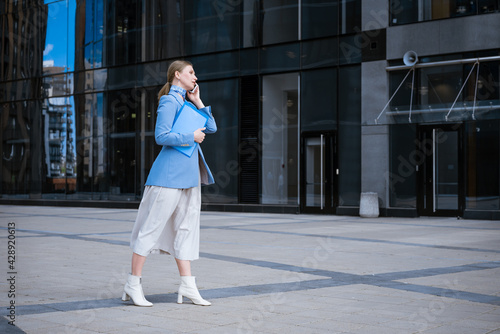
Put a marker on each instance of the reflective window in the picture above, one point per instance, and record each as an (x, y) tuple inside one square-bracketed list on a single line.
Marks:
[(453, 92), (320, 53), (83, 116), (221, 149), (17, 163), (318, 100), (409, 11), (402, 176), (210, 27), (59, 50), (483, 164), (215, 66), (119, 122), (123, 32), (349, 136), (280, 21), (350, 49), (319, 18), (163, 30), (280, 58), (350, 16), (250, 22), (279, 138)]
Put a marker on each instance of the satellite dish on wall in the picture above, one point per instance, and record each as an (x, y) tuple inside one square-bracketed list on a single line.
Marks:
[(410, 58)]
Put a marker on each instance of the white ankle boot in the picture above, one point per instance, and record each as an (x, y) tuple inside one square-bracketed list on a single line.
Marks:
[(188, 289), (133, 289)]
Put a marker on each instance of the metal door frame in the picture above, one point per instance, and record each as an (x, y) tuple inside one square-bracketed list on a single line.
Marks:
[(328, 162), (426, 189)]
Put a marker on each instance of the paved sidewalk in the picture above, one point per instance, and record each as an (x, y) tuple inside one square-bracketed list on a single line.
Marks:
[(264, 273)]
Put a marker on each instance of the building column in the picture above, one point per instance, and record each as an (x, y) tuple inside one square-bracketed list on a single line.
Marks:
[(374, 137)]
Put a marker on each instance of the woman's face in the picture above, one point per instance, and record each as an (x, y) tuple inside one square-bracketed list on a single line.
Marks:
[(186, 78)]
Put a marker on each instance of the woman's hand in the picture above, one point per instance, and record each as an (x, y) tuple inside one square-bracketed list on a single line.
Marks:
[(199, 135), (195, 98)]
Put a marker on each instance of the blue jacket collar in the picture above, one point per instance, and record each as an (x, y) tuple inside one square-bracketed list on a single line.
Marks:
[(177, 97)]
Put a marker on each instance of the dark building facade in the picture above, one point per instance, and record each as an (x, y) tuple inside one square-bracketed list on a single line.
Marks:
[(314, 102)]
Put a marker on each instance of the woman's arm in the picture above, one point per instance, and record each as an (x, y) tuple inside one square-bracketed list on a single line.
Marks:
[(211, 126), (166, 112)]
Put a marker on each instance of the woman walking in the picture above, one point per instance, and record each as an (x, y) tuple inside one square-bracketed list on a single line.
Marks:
[(168, 219)]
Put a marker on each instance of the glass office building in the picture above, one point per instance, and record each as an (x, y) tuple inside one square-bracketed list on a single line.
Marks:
[(313, 101)]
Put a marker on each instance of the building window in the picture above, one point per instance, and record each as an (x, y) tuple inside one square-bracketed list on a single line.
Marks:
[(410, 11), (221, 148), (279, 138), (280, 21), (452, 92), (483, 164)]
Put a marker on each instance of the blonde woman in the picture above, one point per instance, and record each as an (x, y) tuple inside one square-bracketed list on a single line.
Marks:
[(168, 219)]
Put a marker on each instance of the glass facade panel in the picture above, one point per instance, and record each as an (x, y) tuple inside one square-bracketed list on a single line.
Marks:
[(16, 142), (318, 100), (350, 49), (446, 92), (280, 58), (221, 149), (402, 176), (209, 28), (314, 174), (409, 11), (280, 21), (446, 186), (350, 16), (349, 136), (279, 137), (249, 22), (320, 53), (319, 18), (483, 165), (58, 53), (79, 85), (123, 23), (220, 65)]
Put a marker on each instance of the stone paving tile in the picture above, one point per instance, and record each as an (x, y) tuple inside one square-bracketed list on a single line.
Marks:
[(455, 329)]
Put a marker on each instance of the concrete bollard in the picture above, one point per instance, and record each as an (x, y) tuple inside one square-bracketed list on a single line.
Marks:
[(368, 205)]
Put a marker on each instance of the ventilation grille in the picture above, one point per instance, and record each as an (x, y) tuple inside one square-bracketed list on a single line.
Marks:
[(249, 144)]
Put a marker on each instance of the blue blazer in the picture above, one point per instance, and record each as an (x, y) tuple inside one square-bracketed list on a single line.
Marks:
[(171, 168)]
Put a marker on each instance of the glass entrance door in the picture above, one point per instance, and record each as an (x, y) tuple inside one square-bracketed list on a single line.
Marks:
[(318, 176), (441, 190)]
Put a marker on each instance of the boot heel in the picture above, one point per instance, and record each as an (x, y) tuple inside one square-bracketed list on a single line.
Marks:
[(179, 298), (125, 297)]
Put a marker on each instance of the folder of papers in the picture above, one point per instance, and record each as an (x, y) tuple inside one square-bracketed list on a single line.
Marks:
[(188, 119)]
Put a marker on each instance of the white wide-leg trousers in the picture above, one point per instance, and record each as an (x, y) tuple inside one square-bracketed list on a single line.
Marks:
[(168, 221)]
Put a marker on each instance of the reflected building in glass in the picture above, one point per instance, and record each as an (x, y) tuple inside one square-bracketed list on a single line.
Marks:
[(314, 102)]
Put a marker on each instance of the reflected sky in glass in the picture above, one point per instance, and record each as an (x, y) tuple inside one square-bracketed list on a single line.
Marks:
[(60, 39)]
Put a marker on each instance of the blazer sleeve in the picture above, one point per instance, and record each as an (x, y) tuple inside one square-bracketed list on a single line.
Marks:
[(164, 136), (211, 126)]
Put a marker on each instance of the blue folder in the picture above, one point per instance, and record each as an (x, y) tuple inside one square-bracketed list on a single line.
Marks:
[(188, 119)]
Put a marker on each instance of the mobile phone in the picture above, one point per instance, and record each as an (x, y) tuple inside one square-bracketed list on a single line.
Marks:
[(194, 89)]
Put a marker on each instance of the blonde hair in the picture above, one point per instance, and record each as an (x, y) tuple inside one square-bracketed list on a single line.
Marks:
[(177, 65)]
